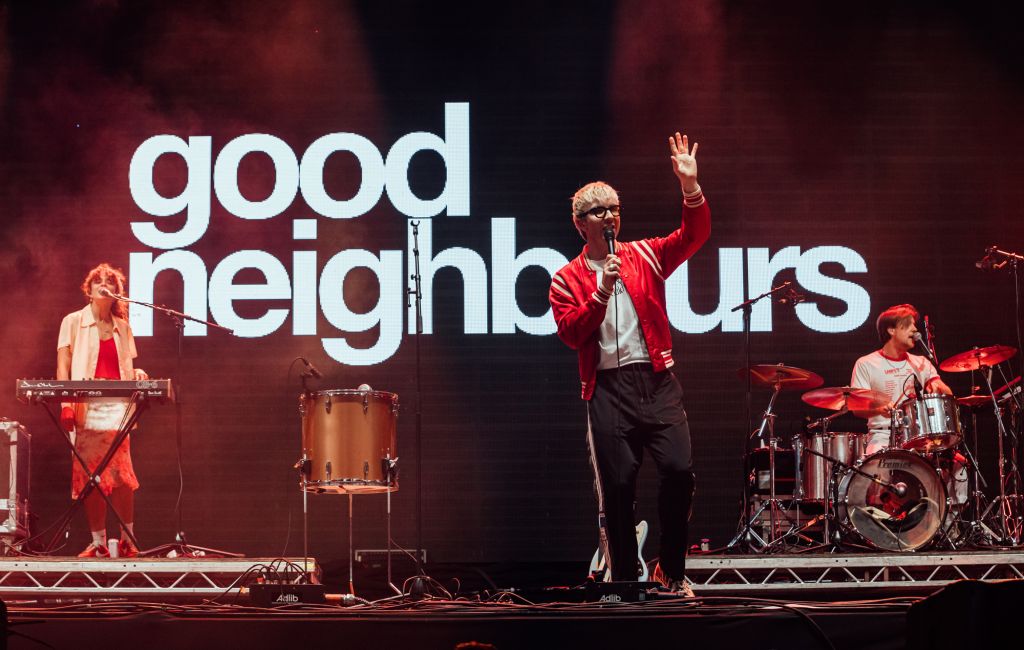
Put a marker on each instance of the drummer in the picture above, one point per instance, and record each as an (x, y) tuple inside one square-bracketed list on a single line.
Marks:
[(892, 369)]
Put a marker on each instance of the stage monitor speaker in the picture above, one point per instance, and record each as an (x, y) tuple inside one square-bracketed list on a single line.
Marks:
[(966, 614), (15, 462)]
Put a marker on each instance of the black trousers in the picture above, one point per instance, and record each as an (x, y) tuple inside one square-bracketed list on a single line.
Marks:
[(634, 408)]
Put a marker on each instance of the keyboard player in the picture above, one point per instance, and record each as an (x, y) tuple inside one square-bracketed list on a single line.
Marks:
[(96, 342)]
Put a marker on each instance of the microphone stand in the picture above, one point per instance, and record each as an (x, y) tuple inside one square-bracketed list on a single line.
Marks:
[(1014, 260), (746, 531), (180, 547), (415, 299)]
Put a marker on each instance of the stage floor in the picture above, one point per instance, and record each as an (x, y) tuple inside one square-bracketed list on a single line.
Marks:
[(812, 600)]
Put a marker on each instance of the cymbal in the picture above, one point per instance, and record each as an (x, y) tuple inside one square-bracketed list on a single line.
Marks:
[(978, 357), (974, 400), (854, 399), (767, 375)]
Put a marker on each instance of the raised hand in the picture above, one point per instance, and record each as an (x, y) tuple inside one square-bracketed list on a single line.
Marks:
[(684, 161)]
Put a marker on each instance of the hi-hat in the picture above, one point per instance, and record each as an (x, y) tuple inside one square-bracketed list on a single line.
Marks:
[(974, 400), (786, 377), (978, 358), (863, 400)]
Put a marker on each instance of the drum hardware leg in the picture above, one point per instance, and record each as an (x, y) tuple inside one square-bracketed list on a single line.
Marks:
[(943, 534), (389, 473), (746, 532), (351, 550), (768, 423), (978, 525), (797, 530), (303, 465), (1008, 534)]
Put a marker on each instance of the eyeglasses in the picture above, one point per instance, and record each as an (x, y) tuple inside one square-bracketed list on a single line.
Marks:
[(600, 211)]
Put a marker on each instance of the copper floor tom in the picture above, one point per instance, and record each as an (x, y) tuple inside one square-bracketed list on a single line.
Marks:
[(348, 440)]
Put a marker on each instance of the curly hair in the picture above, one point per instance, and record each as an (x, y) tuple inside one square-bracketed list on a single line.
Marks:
[(893, 317), (119, 308)]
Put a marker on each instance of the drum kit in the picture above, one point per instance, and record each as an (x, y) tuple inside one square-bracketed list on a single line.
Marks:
[(836, 489)]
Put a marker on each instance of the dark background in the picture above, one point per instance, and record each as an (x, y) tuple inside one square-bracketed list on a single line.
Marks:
[(891, 130)]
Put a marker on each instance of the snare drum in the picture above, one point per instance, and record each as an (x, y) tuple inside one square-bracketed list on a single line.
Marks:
[(815, 471), (929, 423), (348, 440)]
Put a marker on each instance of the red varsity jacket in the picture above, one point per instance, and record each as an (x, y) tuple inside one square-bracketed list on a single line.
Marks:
[(579, 304)]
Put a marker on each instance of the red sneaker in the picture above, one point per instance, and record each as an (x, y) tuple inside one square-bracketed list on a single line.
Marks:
[(125, 548), (92, 550)]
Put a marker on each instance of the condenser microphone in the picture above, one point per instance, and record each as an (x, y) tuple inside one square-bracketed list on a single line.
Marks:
[(310, 368), (609, 237)]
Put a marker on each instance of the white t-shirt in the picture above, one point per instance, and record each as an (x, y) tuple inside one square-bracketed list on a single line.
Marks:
[(891, 376), (631, 345)]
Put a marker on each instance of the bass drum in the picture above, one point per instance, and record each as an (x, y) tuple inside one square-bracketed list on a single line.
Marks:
[(879, 515)]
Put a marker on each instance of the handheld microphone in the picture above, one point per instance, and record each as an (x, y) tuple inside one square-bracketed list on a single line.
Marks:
[(609, 237), (927, 350), (311, 369)]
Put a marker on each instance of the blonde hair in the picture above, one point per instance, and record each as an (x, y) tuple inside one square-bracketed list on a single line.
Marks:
[(590, 193)]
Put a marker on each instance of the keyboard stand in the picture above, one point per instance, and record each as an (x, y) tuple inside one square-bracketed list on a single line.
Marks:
[(139, 405)]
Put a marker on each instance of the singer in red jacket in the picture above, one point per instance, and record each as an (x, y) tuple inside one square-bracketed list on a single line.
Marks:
[(609, 306)]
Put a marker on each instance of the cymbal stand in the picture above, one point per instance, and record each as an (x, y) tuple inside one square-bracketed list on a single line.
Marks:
[(773, 504), (978, 529), (791, 297), (1009, 528), (829, 516)]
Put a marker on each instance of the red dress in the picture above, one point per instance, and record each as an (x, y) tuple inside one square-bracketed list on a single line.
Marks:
[(98, 428)]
